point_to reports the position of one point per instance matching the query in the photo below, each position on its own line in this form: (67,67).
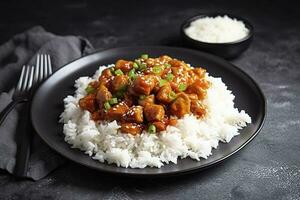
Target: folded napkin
(15,53)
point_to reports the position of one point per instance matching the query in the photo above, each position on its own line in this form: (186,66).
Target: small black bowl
(226,50)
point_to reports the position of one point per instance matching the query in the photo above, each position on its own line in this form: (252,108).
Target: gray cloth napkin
(15,53)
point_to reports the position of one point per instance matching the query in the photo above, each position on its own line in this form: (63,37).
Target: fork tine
(45,67)
(25,79)
(30,78)
(49,65)
(41,68)
(21,79)
(37,69)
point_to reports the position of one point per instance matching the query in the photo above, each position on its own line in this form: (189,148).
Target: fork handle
(8,108)
(23,142)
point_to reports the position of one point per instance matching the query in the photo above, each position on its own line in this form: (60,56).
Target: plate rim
(171,173)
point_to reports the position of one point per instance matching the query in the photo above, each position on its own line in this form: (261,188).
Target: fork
(22,91)
(42,70)
(30,76)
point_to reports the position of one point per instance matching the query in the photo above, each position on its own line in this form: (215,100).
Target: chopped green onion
(170,77)
(137,61)
(135,65)
(142,97)
(132,74)
(143,66)
(182,87)
(89,89)
(152,129)
(172,95)
(113,101)
(157,69)
(107,105)
(115,96)
(118,72)
(112,69)
(144,56)
(167,65)
(139,65)
(162,82)
(120,93)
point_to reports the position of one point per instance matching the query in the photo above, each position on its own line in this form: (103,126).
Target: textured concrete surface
(268,168)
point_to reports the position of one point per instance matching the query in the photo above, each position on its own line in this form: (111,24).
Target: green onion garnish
(113,101)
(152,129)
(142,97)
(137,61)
(120,93)
(170,77)
(144,56)
(172,95)
(112,69)
(135,65)
(142,66)
(162,82)
(107,105)
(118,72)
(157,69)
(182,87)
(132,74)
(89,89)
(167,65)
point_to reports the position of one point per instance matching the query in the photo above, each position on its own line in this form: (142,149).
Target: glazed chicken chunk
(154,112)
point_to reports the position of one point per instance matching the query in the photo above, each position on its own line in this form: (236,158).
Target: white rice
(217,29)
(190,138)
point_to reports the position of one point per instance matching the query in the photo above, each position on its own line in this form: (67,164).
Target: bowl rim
(186,23)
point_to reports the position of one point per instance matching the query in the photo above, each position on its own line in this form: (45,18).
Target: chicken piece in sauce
(124,65)
(88,103)
(154,112)
(163,95)
(143,100)
(103,95)
(134,114)
(143,85)
(105,77)
(197,108)
(132,128)
(181,105)
(116,112)
(119,83)
(160,126)
(199,87)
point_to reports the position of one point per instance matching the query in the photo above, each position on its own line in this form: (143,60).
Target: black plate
(47,105)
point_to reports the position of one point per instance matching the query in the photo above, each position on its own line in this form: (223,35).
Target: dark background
(268,168)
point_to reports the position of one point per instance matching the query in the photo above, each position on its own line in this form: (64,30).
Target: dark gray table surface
(268,168)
